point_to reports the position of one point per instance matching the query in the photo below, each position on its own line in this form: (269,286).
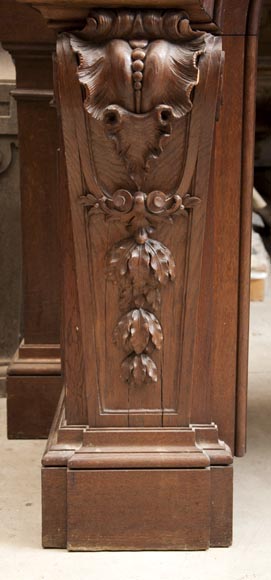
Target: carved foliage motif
(139,333)
(139,209)
(140,268)
(138,70)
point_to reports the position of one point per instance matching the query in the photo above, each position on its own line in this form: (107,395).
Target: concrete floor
(21,556)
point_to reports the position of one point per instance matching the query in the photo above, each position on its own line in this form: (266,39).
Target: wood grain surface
(138,509)
(152,316)
(154,189)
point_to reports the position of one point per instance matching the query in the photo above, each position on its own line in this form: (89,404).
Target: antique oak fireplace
(156,108)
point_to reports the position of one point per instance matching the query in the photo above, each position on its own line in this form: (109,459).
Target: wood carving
(138,138)
(138,79)
(138,70)
(138,93)
(138,333)
(140,266)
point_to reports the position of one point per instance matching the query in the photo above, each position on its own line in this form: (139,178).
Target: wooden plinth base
(155,509)
(136,489)
(34,384)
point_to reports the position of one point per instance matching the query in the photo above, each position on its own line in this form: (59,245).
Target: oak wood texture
(54,507)
(224,16)
(225,282)
(114,400)
(66,14)
(10,255)
(222,506)
(173,512)
(31,404)
(147,195)
(216,390)
(95,464)
(54,521)
(245,243)
(24,33)
(235,16)
(203,6)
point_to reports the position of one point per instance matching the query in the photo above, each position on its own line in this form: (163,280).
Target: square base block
(137,509)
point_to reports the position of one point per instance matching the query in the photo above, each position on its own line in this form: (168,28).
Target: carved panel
(144,90)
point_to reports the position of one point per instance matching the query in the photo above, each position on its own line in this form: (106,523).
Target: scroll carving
(138,70)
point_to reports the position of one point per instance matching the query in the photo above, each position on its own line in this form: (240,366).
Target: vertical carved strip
(140,266)
(155,63)
(122,143)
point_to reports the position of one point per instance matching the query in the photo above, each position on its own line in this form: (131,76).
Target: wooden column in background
(156,166)
(10,229)
(34,379)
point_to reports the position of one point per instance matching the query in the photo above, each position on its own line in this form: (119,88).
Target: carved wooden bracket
(122,57)
(138,92)
(142,160)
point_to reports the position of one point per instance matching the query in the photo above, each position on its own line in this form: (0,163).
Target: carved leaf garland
(139,331)
(146,296)
(140,266)
(139,369)
(141,261)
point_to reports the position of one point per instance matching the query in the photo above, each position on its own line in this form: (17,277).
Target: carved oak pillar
(139,94)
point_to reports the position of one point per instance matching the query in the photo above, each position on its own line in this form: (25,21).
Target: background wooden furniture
(75,468)
(34,379)
(10,255)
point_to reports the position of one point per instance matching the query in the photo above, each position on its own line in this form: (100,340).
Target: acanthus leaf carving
(145,266)
(138,70)
(171,50)
(141,260)
(139,331)
(126,129)
(139,369)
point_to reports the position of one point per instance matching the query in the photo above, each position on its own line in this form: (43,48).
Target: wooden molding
(84,447)
(198,10)
(65,15)
(36,359)
(33,95)
(34,384)
(79,453)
